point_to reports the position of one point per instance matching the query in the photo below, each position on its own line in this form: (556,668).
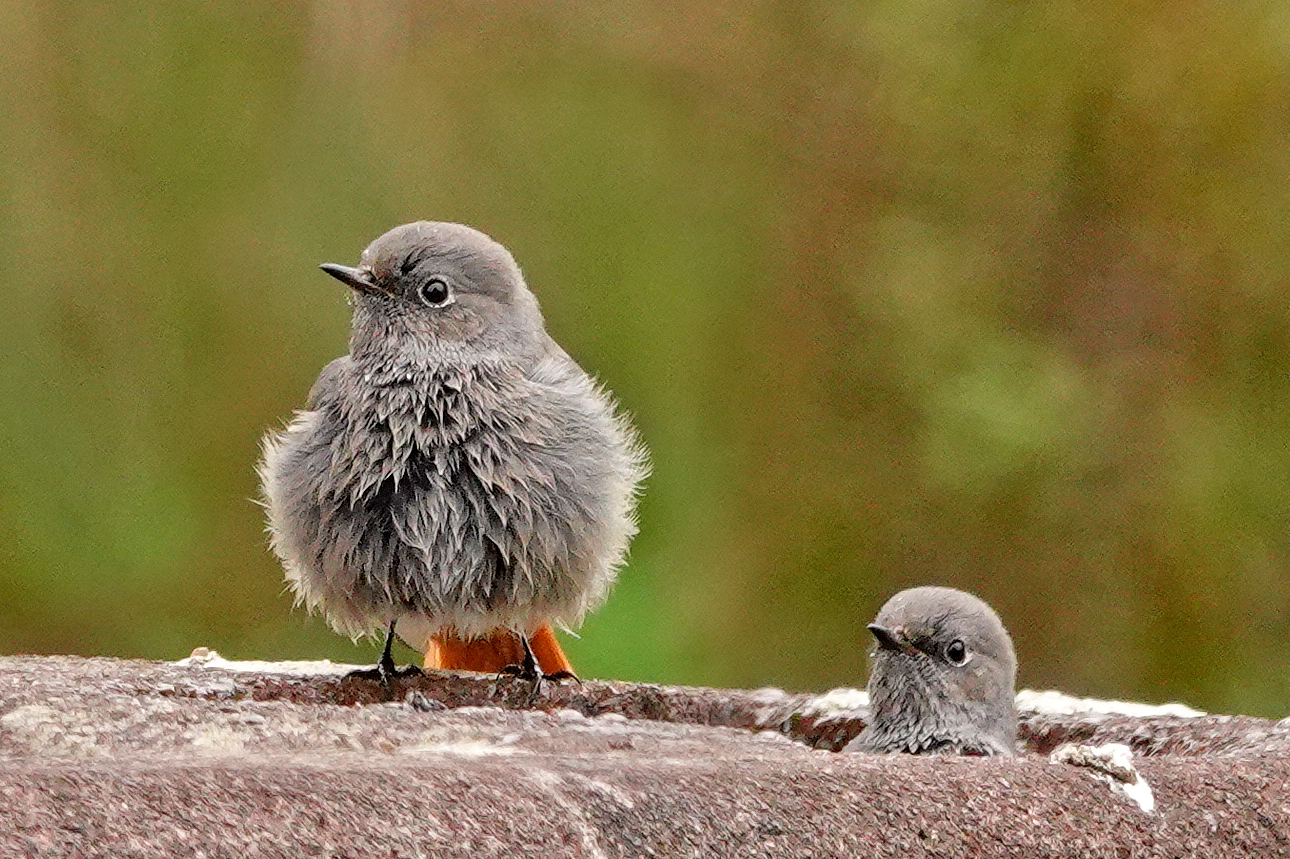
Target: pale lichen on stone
(1112,763)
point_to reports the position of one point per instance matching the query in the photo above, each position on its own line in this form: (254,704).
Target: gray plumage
(942,678)
(456,471)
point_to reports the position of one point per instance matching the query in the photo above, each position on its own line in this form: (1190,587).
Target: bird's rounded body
(451,476)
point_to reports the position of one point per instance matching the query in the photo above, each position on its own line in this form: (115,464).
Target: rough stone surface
(103,757)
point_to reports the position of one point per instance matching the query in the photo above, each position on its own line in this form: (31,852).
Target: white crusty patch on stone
(835,703)
(1050,702)
(204,657)
(464,748)
(771,705)
(1112,763)
(51,730)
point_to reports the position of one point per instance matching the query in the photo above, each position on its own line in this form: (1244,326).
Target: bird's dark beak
(891,639)
(355,278)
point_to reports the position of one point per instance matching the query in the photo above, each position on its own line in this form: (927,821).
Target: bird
(456,478)
(942,679)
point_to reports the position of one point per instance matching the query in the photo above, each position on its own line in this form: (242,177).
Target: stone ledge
(126,758)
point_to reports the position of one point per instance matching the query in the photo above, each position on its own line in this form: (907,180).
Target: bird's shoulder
(552,367)
(329,383)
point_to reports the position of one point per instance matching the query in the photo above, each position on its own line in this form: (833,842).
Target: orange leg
(496,651)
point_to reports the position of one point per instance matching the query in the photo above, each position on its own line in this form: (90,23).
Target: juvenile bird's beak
(891,639)
(355,278)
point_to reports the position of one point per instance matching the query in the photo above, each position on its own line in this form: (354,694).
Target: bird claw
(536,678)
(386,674)
(385,671)
(523,673)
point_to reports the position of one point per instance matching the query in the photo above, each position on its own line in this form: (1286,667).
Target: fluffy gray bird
(942,678)
(456,475)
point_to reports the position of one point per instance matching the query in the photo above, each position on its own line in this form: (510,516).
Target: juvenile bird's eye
(435,292)
(956,653)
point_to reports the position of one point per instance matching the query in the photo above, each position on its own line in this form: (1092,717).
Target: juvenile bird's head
(437,287)
(942,678)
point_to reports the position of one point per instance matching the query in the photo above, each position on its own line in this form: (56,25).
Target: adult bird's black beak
(355,278)
(891,639)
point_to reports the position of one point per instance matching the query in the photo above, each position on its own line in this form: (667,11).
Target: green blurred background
(982,293)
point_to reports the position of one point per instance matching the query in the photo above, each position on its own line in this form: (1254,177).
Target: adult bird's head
(439,286)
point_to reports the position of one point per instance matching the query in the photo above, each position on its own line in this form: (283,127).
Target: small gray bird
(942,678)
(456,476)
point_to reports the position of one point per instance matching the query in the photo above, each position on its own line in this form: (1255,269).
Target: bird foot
(386,673)
(530,669)
(536,678)
(521,673)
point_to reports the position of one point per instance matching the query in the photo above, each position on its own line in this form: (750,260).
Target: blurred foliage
(989,294)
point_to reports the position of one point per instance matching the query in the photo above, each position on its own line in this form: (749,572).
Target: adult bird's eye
(956,653)
(435,292)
